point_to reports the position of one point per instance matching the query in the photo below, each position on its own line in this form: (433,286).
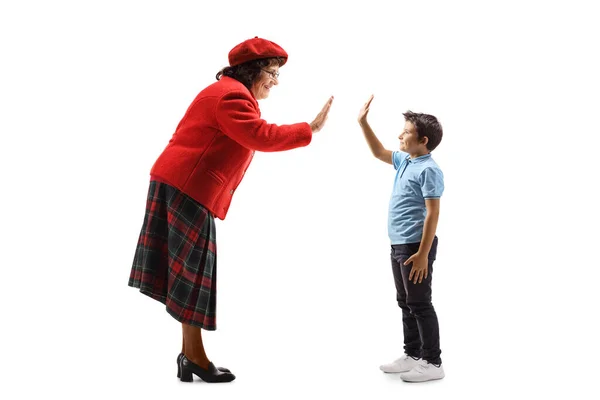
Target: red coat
(215,141)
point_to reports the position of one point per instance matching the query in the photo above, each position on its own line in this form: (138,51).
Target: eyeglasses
(272,74)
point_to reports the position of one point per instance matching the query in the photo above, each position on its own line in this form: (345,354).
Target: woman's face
(265,81)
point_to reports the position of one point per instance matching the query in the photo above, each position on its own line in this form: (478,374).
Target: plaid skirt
(175,260)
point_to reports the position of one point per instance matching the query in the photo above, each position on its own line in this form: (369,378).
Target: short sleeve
(397,158)
(432,183)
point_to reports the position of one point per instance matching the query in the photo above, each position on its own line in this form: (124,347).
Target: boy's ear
(425,140)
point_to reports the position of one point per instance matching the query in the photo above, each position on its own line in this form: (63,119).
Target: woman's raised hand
(319,121)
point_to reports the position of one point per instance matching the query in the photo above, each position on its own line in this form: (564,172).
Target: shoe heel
(186,375)
(179,358)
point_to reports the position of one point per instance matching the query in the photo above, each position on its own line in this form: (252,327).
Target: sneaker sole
(426,380)
(385,369)
(394,372)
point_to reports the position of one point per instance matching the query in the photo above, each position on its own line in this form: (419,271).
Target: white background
(92,91)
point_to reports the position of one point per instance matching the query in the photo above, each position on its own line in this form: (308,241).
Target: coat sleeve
(239,119)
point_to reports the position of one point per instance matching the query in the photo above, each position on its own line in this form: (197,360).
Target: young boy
(413,216)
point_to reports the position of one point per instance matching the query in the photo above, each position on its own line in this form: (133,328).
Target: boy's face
(409,140)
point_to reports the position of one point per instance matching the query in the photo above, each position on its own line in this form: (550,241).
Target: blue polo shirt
(417,179)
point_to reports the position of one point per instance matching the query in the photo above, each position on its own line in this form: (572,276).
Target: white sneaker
(403,364)
(423,372)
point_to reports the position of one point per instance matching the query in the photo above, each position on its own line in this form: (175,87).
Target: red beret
(253,49)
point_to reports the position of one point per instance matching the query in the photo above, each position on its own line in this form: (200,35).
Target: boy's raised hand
(362,115)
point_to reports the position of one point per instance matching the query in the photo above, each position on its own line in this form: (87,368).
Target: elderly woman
(193,181)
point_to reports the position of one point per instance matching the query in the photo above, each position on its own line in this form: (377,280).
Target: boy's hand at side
(419,268)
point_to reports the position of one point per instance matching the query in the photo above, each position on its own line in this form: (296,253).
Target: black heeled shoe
(211,374)
(180,356)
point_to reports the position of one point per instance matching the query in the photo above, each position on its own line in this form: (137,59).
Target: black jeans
(421,329)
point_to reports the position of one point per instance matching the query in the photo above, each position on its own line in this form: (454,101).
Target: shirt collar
(419,159)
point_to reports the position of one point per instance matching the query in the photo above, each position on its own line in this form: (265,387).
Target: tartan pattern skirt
(175,260)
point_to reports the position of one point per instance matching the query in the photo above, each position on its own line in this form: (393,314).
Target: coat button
(231,191)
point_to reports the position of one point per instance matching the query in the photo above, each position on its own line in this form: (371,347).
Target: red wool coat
(215,141)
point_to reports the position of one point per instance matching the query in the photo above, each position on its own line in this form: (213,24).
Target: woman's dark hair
(426,125)
(250,70)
